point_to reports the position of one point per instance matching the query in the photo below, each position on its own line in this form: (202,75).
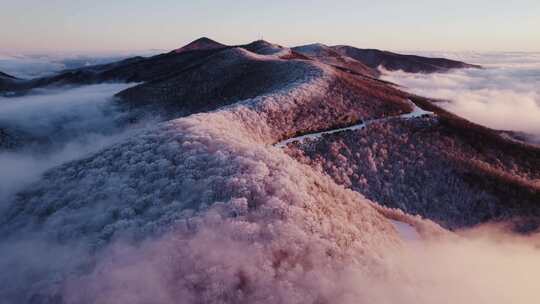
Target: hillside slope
(236,74)
(438,166)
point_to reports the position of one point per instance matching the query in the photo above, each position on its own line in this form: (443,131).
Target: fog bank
(56,126)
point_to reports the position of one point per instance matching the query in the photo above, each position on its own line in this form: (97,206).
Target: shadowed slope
(139,69)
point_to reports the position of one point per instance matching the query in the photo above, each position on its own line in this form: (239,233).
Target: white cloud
(505,95)
(72,122)
(485,267)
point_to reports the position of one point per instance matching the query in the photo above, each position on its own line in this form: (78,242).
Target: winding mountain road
(416,112)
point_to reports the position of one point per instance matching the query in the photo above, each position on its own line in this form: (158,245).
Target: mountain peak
(264,47)
(203,43)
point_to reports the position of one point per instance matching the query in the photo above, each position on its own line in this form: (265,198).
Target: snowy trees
(426,167)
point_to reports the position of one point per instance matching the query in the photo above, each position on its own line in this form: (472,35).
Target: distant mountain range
(407,63)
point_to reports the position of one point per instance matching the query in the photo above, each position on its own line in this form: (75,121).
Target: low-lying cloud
(29,66)
(485,267)
(55,126)
(62,113)
(504,95)
(38,65)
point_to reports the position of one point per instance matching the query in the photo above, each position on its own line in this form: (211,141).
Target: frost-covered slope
(457,176)
(235,74)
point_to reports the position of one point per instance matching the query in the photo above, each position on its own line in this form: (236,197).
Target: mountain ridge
(407,63)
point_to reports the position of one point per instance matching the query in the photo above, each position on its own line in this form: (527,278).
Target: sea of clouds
(504,95)
(484,266)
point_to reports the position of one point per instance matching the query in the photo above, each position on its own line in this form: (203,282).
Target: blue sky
(127,25)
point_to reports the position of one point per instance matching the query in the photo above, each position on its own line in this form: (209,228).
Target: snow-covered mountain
(222,198)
